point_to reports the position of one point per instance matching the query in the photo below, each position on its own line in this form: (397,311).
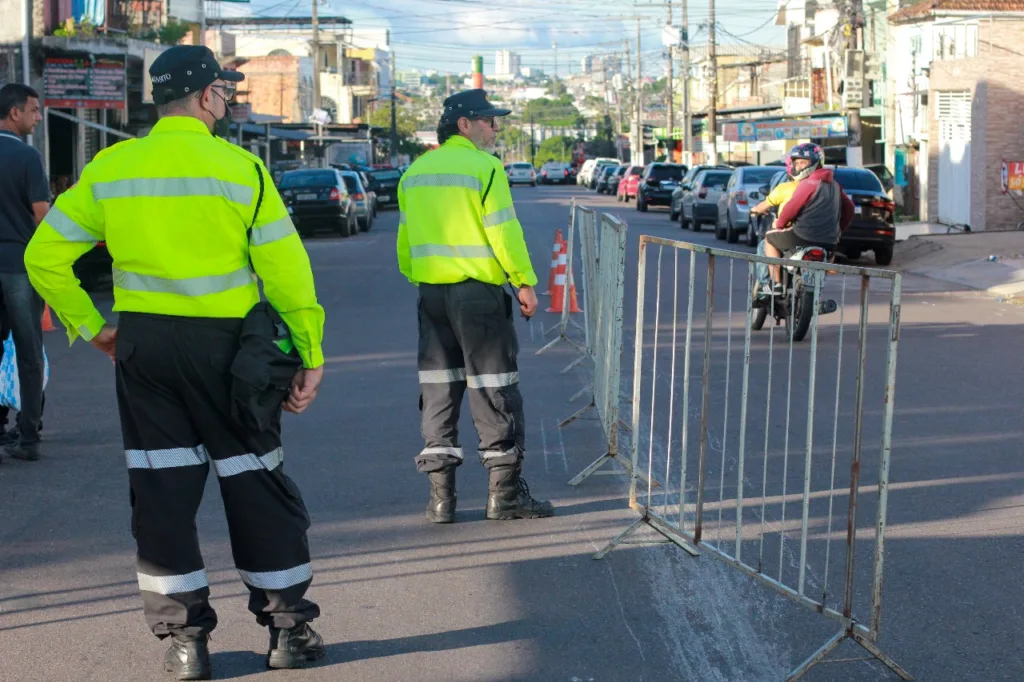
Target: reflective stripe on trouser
(175,411)
(467,339)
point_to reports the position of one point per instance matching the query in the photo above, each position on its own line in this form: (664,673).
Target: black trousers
(173,391)
(468,339)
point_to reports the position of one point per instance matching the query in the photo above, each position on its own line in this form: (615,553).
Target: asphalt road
(406,600)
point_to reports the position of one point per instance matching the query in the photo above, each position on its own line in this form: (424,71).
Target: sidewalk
(964,259)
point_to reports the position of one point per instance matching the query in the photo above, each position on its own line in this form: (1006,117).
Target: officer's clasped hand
(527,301)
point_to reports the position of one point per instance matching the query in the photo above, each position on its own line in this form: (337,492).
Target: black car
(873,227)
(657,183)
(608,181)
(385,184)
(317,198)
(93,268)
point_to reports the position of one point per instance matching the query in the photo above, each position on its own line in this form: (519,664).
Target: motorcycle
(795,305)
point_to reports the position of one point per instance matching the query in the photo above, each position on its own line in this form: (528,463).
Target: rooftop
(927,8)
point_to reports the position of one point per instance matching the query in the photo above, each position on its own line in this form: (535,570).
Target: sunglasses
(226,91)
(489,120)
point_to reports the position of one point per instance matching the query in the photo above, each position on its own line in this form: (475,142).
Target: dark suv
(657,183)
(873,227)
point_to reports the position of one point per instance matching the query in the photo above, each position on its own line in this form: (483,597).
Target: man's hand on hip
(106,340)
(527,300)
(304,388)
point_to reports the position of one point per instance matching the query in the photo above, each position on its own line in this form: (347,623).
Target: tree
(407,127)
(557,148)
(554,112)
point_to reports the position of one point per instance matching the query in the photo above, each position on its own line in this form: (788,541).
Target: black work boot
(26,451)
(188,658)
(441,507)
(295,647)
(510,498)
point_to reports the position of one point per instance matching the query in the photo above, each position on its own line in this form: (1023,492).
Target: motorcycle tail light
(817,255)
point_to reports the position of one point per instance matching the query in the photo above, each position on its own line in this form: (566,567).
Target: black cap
(471,104)
(185,69)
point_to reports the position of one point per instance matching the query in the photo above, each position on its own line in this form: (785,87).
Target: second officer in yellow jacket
(184,214)
(459,240)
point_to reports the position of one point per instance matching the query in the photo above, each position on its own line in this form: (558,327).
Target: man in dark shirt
(24,201)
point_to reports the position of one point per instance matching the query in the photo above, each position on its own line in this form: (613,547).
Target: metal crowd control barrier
(735,507)
(586,218)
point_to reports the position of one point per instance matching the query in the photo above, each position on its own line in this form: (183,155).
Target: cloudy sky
(445,34)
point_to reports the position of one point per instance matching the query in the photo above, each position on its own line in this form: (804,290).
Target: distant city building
(587,64)
(409,79)
(506,63)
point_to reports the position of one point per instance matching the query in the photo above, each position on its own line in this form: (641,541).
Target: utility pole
(394,110)
(316,57)
(629,75)
(533,152)
(711,151)
(669,95)
(854,151)
(638,154)
(554,48)
(687,121)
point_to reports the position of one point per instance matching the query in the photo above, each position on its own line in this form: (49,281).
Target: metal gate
(953,109)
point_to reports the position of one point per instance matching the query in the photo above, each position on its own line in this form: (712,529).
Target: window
(758,176)
(352,184)
(854,179)
(636,170)
(660,173)
(522,166)
(308,179)
(956,41)
(716,179)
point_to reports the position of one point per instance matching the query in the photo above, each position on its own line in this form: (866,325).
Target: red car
(630,184)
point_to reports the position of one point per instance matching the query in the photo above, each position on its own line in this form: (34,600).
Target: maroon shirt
(819,209)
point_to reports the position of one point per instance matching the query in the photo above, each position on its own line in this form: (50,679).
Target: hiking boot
(510,497)
(188,658)
(26,451)
(441,507)
(14,435)
(294,647)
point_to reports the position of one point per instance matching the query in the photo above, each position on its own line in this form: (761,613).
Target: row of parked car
(551,173)
(722,196)
(342,199)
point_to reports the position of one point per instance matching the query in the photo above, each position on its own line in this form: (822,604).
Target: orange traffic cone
(47,320)
(555,250)
(559,288)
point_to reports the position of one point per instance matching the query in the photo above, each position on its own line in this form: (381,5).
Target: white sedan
(521,174)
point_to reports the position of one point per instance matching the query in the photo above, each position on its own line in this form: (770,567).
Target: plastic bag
(10,387)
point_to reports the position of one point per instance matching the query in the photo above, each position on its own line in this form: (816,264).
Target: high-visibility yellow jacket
(457,222)
(174,208)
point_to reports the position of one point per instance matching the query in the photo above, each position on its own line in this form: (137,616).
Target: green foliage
(83,29)
(172,32)
(407,125)
(557,148)
(554,112)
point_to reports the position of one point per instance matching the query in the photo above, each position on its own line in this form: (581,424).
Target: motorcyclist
(814,215)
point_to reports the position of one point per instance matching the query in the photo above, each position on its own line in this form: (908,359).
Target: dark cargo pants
(173,391)
(468,339)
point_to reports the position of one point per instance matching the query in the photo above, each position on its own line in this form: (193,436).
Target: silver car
(700,204)
(521,173)
(552,172)
(362,199)
(742,192)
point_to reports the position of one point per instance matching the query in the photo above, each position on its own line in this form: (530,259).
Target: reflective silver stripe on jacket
(167,458)
(271,232)
(499,217)
(442,376)
(277,580)
(443,180)
(451,251)
(68,228)
(248,462)
(189,286)
(173,584)
(173,187)
(439,450)
(492,380)
(401,217)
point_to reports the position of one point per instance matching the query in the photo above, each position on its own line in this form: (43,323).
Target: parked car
(552,172)
(873,227)
(757,225)
(572,171)
(608,180)
(317,198)
(371,193)
(884,175)
(684,187)
(700,205)
(361,199)
(521,173)
(587,170)
(742,192)
(626,189)
(601,164)
(384,183)
(655,186)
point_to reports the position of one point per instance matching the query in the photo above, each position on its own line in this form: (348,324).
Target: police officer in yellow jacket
(183,214)
(459,240)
